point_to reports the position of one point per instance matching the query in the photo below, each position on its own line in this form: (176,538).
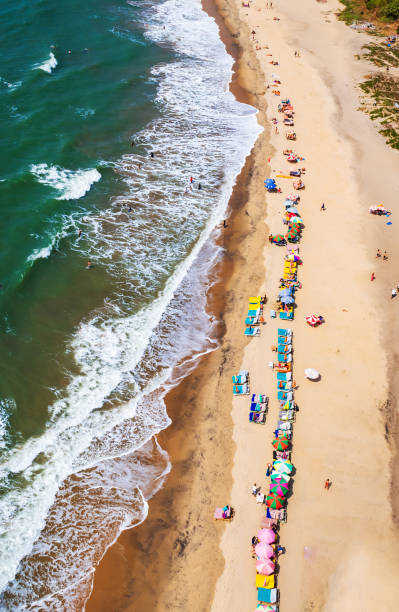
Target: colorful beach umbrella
(264,551)
(312,320)
(266,535)
(279,478)
(281,444)
(265,567)
(275,501)
(280,489)
(284,467)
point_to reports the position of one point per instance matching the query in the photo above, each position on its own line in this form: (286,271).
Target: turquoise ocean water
(84,353)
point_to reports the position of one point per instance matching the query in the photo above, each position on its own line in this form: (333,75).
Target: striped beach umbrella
(284,467)
(280,489)
(281,444)
(275,501)
(278,477)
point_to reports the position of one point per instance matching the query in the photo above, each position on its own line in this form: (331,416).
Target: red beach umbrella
(281,444)
(312,320)
(279,488)
(275,501)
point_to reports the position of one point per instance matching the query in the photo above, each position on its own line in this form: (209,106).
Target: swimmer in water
(89,265)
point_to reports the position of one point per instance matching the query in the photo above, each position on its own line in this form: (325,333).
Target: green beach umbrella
(275,501)
(281,444)
(279,488)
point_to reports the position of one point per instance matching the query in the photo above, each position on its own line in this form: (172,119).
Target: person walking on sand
(385,256)
(393,293)
(372,276)
(254,489)
(378,254)
(327,484)
(323,207)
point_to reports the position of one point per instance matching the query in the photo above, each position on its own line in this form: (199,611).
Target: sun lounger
(255,300)
(266,582)
(284,357)
(257,417)
(284,426)
(284,385)
(282,455)
(253,313)
(241,389)
(286,316)
(241,378)
(252,331)
(252,321)
(284,332)
(285,395)
(267,595)
(284,376)
(284,405)
(257,407)
(261,398)
(284,348)
(286,415)
(280,515)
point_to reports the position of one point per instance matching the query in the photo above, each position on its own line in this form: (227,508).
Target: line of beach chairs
(279,472)
(258,409)
(241,383)
(254,316)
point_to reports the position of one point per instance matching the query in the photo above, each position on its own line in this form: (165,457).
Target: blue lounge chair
(253,313)
(284,376)
(286,316)
(285,395)
(256,407)
(252,321)
(284,332)
(240,389)
(257,417)
(284,357)
(252,331)
(261,398)
(267,595)
(284,348)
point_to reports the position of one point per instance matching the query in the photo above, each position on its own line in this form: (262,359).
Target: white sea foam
(85,112)
(126,351)
(10,86)
(49,64)
(72,184)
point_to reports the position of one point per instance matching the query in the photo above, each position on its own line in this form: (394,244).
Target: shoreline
(125,577)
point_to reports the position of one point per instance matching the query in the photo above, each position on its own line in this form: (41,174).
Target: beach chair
(261,398)
(279,515)
(284,385)
(284,357)
(257,407)
(284,376)
(219,514)
(267,595)
(285,395)
(284,426)
(282,455)
(255,300)
(252,331)
(241,389)
(253,313)
(287,405)
(284,332)
(286,316)
(284,348)
(286,415)
(257,417)
(252,321)
(267,582)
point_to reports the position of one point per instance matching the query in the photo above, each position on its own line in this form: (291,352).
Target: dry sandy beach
(345,428)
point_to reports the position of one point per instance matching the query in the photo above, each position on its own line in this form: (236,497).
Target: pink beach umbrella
(264,551)
(265,567)
(266,535)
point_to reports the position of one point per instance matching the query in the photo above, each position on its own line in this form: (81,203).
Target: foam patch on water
(49,65)
(85,112)
(8,85)
(72,184)
(159,254)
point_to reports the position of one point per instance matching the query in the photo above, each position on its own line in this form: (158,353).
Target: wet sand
(172,561)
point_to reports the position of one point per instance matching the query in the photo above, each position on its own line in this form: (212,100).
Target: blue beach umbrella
(287,299)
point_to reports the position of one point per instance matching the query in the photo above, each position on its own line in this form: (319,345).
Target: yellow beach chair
(255,300)
(264,582)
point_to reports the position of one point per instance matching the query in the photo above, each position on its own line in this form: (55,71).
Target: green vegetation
(381,55)
(382,13)
(384,91)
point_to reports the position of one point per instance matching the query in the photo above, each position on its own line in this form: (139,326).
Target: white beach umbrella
(312,374)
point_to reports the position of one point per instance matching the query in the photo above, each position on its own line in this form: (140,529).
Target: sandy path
(339,432)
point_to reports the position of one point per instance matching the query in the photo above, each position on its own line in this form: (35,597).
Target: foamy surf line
(123,357)
(71,184)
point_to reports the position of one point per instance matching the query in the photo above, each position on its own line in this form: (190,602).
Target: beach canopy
(264,550)
(275,501)
(280,489)
(312,374)
(291,158)
(312,320)
(266,535)
(265,567)
(281,444)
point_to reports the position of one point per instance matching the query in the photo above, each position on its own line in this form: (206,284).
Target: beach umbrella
(292,197)
(280,489)
(275,501)
(265,567)
(287,299)
(265,608)
(312,320)
(264,551)
(281,444)
(266,535)
(288,291)
(291,158)
(278,478)
(296,220)
(292,209)
(284,467)
(312,374)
